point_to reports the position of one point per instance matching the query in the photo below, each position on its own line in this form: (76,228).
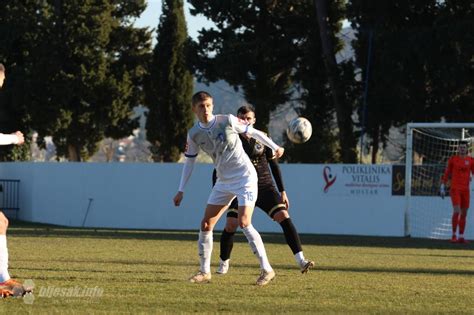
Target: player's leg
(217,203)
(270,202)
(463,214)
(246,198)
(4,275)
(256,243)
(227,237)
(8,286)
(456,201)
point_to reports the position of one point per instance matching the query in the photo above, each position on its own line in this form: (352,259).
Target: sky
(150,17)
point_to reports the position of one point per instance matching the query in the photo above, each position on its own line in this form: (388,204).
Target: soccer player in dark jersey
(274,203)
(460,167)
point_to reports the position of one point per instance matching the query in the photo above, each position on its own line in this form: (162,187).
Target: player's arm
(276,172)
(188,166)
(242,127)
(14,138)
(448,171)
(444,179)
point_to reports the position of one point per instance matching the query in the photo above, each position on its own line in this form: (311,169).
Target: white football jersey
(220,139)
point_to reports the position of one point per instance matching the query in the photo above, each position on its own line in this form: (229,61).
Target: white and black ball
(299,130)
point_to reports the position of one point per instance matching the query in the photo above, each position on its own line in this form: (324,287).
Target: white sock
(256,243)
(299,257)
(205,251)
(4,276)
(461,235)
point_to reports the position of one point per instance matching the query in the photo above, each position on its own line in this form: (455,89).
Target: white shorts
(223,194)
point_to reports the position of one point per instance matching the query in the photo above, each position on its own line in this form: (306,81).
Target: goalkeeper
(460,167)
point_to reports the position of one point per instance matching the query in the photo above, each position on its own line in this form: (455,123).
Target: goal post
(428,148)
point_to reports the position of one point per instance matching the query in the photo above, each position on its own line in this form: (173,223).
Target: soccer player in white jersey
(273,202)
(8,286)
(218,136)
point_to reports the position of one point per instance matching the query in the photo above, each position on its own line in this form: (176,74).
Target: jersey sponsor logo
(258,149)
(328,178)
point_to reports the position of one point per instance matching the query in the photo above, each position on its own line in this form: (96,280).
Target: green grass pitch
(147,271)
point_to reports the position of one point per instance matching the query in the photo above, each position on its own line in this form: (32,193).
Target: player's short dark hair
(245,109)
(200,96)
(2,67)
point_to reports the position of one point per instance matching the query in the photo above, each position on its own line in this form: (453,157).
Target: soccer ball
(299,130)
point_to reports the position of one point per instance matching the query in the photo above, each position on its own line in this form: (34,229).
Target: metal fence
(10,197)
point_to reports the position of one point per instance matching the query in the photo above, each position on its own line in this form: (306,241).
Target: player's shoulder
(223,118)
(236,120)
(454,158)
(194,128)
(230,117)
(460,159)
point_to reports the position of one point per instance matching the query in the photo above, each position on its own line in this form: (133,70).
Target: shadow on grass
(325,268)
(107,277)
(368,269)
(26,229)
(460,272)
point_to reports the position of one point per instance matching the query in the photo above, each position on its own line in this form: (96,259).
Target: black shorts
(268,200)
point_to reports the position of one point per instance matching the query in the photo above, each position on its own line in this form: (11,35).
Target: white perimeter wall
(139,196)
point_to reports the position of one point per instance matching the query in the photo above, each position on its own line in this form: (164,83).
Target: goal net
(429,146)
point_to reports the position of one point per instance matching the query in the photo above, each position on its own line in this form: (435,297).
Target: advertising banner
(356,180)
(425,180)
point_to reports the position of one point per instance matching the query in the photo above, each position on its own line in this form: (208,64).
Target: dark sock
(291,236)
(227,243)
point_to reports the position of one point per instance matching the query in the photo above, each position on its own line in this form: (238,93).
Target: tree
(316,98)
(129,54)
(450,83)
(169,86)
(420,64)
(254,47)
(71,75)
(381,28)
(19,35)
(342,106)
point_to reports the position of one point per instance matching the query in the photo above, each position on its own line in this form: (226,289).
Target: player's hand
(20,137)
(285,200)
(177,199)
(442,191)
(279,152)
